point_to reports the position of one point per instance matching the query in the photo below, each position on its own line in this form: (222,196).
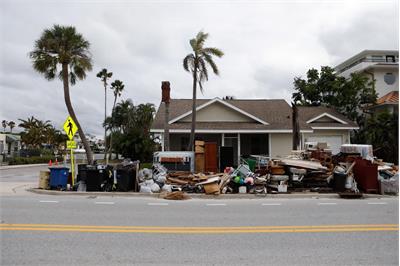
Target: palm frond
(212,64)
(188,61)
(213,51)
(203,70)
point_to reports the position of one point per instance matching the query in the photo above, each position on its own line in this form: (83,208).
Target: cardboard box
(242,189)
(199,143)
(199,149)
(211,188)
(44,180)
(199,162)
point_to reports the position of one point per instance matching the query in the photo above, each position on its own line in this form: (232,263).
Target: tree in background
(11,124)
(38,133)
(130,130)
(117,86)
(104,75)
(4,125)
(196,63)
(381,130)
(62,45)
(325,88)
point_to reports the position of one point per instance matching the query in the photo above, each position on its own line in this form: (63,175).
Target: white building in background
(10,144)
(381,66)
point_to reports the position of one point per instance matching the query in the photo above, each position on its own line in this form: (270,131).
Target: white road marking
(157,204)
(377,203)
(327,203)
(49,201)
(216,204)
(105,202)
(271,204)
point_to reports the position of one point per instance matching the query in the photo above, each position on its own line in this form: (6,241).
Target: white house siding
(381,86)
(329,135)
(217,112)
(281,144)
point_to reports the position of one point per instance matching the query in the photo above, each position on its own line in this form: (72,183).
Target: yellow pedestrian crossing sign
(70,127)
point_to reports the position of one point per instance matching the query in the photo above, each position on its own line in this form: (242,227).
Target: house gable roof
(311,116)
(277,112)
(225,103)
(330,117)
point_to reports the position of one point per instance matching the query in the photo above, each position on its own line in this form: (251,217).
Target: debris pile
(352,171)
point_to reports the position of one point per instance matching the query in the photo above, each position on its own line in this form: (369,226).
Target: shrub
(30,160)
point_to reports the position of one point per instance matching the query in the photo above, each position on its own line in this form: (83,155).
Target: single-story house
(10,144)
(251,127)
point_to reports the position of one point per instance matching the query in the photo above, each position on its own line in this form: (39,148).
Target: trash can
(339,182)
(96,176)
(58,177)
(125,179)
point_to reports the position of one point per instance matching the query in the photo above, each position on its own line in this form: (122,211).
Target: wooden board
(199,163)
(210,157)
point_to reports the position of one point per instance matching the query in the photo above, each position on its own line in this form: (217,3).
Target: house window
(184,143)
(377,58)
(390,58)
(389,78)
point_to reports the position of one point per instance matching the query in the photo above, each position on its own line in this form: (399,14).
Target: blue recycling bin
(58,177)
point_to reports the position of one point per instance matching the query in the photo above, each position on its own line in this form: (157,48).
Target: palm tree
(196,63)
(11,124)
(63,45)
(104,75)
(4,125)
(117,86)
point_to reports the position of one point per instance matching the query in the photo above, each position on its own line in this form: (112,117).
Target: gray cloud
(266,45)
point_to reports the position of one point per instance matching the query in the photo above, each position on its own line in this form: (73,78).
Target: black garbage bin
(126,177)
(96,176)
(339,182)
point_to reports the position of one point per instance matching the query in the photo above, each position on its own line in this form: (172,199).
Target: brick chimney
(165,98)
(165,91)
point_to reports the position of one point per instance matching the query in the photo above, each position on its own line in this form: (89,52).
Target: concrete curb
(203,196)
(5,167)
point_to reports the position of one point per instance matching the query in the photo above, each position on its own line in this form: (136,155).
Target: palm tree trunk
(192,131)
(105,117)
(89,154)
(112,121)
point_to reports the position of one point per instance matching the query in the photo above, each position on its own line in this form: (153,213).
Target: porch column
(162,141)
(223,139)
(238,136)
(269,145)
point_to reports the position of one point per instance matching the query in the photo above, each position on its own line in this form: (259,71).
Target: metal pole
(72,167)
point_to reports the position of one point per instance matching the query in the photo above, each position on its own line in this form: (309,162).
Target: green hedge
(31,160)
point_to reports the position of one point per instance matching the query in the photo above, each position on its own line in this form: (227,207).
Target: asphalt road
(87,230)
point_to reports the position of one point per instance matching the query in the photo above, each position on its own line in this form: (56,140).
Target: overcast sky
(266,45)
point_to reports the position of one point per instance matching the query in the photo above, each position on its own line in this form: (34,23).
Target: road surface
(89,230)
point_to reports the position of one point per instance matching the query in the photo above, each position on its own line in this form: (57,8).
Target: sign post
(70,128)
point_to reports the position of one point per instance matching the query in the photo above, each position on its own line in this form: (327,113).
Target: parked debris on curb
(350,173)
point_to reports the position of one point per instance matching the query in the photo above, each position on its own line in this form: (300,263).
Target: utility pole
(165,89)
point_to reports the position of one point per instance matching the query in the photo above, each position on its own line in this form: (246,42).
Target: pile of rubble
(314,169)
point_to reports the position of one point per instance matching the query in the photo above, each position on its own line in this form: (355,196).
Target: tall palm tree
(104,75)
(62,45)
(196,63)
(117,86)
(11,124)
(4,125)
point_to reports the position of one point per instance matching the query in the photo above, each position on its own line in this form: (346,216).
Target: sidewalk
(309,195)
(5,167)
